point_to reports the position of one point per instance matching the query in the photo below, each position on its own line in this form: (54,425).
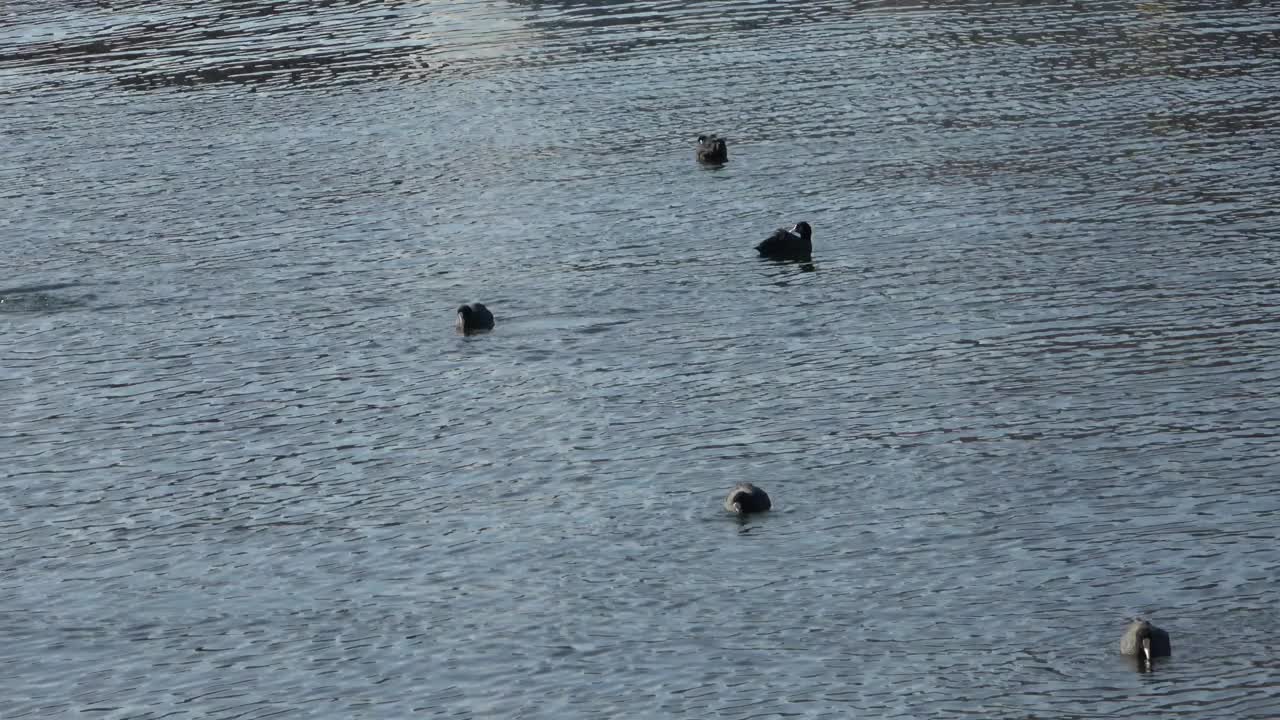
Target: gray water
(1026,391)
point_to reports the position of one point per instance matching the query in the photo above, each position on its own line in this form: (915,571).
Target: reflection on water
(1023,393)
(142,45)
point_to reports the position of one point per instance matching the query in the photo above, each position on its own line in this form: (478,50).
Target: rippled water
(1026,391)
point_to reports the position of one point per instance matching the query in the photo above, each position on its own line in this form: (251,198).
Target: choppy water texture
(1026,391)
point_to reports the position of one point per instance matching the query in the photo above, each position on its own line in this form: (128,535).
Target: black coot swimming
(1145,641)
(712,149)
(795,243)
(474,317)
(747,498)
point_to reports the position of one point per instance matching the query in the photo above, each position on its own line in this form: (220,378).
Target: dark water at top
(1027,390)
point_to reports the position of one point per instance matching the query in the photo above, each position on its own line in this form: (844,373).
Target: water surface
(1025,391)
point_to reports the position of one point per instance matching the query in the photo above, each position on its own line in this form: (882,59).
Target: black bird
(712,149)
(747,498)
(793,244)
(474,317)
(1145,641)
